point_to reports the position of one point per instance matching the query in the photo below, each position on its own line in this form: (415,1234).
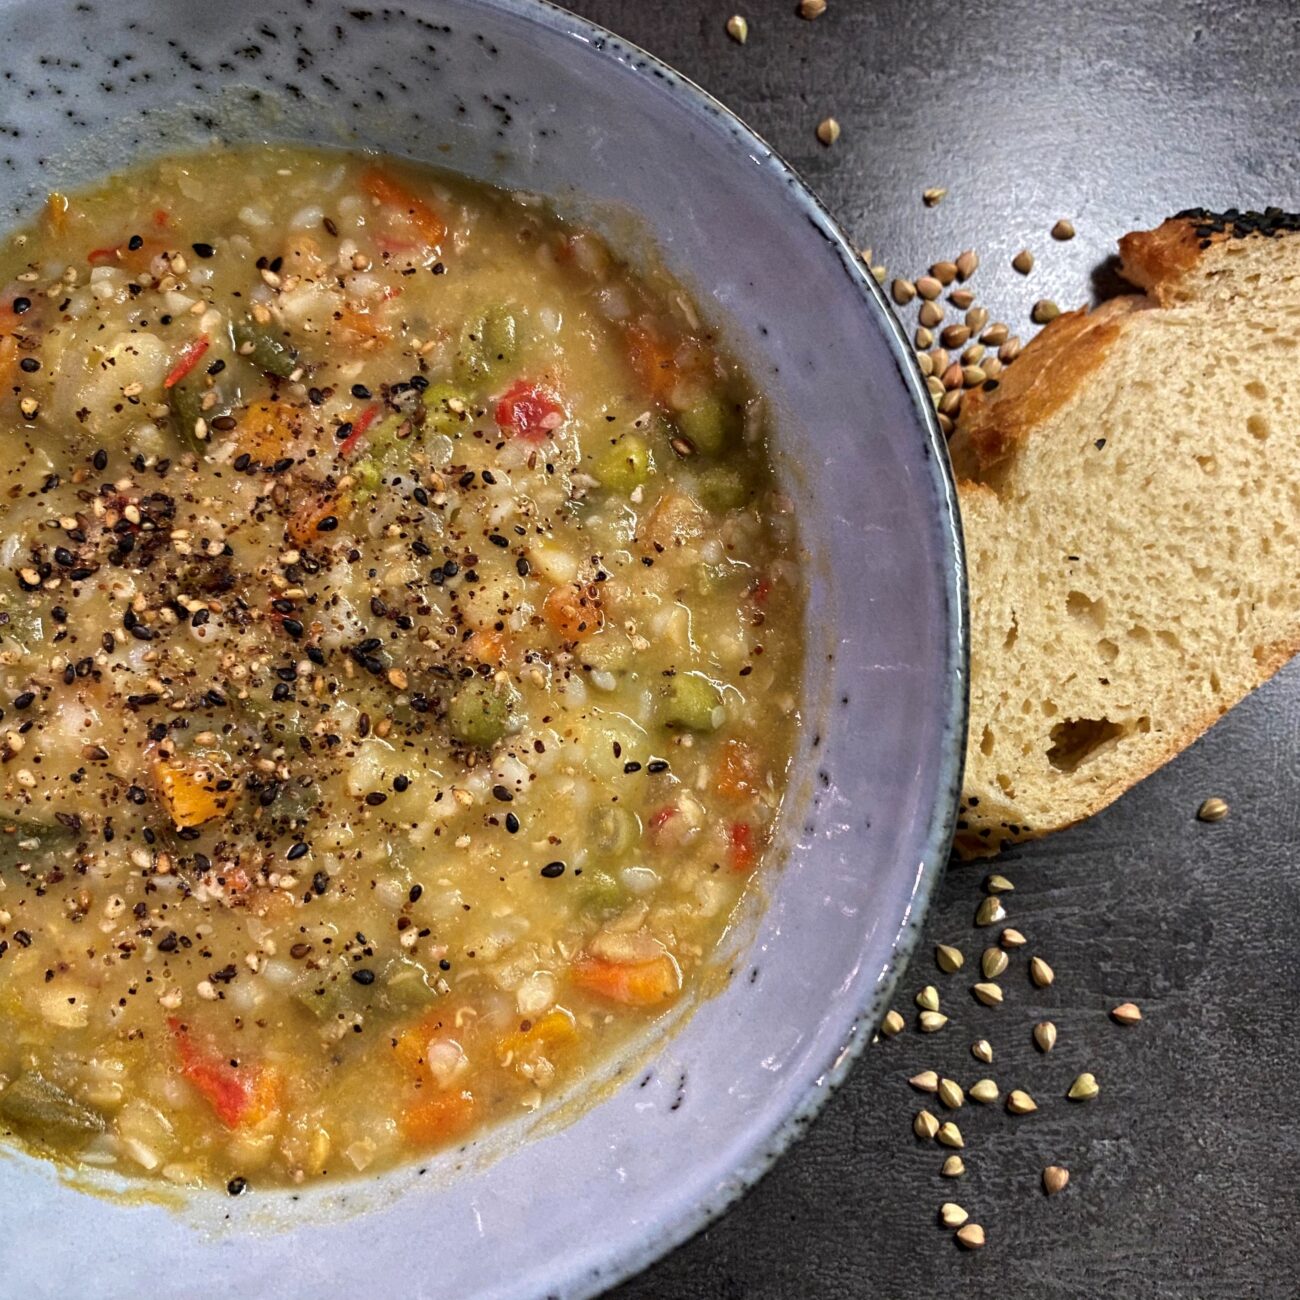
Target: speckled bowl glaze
(525,95)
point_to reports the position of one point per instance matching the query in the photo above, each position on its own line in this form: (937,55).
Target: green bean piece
(34,1103)
(407,984)
(268,352)
(691,702)
(186,403)
(723,487)
(23,841)
(708,424)
(488,344)
(626,465)
(479,713)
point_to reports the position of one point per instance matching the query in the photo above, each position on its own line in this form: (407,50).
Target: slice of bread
(1130,495)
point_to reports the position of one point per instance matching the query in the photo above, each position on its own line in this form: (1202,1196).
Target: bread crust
(1158,260)
(997,417)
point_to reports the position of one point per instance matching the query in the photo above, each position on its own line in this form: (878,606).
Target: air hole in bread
(1208,464)
(1107,650)
(1012,632)
(1080,606)
(1077,741)
(1255,389)
(986,742)
(1169,638)
(1257,426)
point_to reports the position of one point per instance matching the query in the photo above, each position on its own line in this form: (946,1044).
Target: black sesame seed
(320,882)
(553,869)
(401,784)
(500,792)
(100,460)
(360,391)
(328,524)
(512,823)
(24,700)
(22,305)
(657,765)
(203,250)
(135,243)
(416,891)
(522,567)
(631,767)
(236,1186)
(30,365)
(296,850)
(293,627)
(364,976)
(243,461)
(376,797)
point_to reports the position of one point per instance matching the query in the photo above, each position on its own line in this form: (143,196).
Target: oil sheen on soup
(399,629)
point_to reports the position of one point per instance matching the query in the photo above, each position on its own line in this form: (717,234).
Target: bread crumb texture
(1130,496)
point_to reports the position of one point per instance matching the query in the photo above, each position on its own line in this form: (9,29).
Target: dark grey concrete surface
(1186,1169)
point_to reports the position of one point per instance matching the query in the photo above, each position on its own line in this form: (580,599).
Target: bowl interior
(523,95)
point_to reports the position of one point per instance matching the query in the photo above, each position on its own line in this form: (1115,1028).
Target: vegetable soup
(399,660)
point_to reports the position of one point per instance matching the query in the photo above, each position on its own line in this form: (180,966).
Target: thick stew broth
(398,663)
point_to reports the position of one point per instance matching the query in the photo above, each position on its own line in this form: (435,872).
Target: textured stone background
(1185,1170)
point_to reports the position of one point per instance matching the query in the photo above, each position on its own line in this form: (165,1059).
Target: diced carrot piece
(412,1043)
(571,611)
(189,789)
(652,360)
(742,848)
(487,646)
(364,326)
(639,984)
(392,193)
(735,777)
(238,1094)
(555,1030)
(304,525)
(160,218)
(439,1119)
(266,429)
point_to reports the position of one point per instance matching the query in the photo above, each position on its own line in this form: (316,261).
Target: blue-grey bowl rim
(938,838)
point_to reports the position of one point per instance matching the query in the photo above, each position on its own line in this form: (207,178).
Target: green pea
(691,702)
(479,713)
(709,424)
(268,352)
(601,893)
(442,416)
(367,475)
(614,829)
(626,465)
(488,343)
(723,487)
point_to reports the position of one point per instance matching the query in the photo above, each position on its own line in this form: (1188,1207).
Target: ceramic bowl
(530,97)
